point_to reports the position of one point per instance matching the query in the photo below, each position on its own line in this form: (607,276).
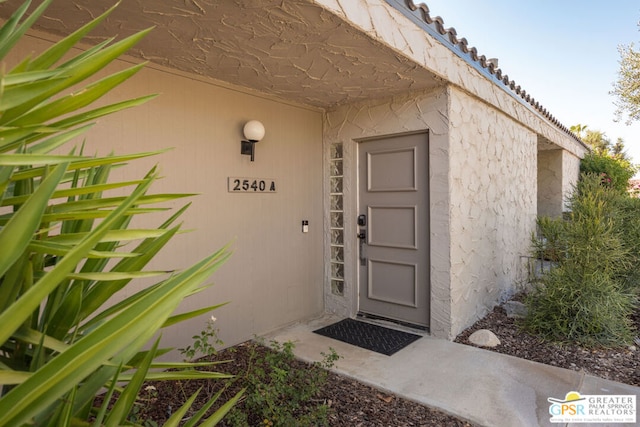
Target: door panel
(402,275)
(394,247)
(393,226)
(391,170)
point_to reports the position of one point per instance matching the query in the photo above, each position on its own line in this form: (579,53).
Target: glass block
(337,237)
(336,151)
(337,253)
(337,287)
(336,168)
(337,270)
(336,185)
(336,220)
(336,203)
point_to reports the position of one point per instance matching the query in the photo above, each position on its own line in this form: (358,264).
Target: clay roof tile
(489,66)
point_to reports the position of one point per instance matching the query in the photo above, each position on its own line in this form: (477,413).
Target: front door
(393,224)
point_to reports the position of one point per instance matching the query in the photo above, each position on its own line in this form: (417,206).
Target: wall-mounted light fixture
(253,132)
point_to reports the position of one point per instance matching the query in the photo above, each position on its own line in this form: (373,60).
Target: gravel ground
(355,404)
(617,364)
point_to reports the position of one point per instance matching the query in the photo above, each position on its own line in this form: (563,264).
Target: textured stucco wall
(558,173)
(570,176)
(550,179)
(493,182)
(410,113)
(483,187)
(275,274)
(386,24)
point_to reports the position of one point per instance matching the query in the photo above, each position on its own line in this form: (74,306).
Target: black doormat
(372,337)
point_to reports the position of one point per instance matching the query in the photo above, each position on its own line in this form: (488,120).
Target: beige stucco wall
(493,184)
(409,113)
(275,275)
(558,173)
(570,176)
(483,186)
(550,177)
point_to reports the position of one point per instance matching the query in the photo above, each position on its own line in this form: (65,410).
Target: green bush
(575,307)
(615,173)
(66,249)
(280,393)
(627,225)
(586,297)
(549,246)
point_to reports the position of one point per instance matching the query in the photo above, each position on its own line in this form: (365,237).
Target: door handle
(362,237)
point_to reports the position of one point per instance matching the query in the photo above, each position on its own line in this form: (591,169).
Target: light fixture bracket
(248,148)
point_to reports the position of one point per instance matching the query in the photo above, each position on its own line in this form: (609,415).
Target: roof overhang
(321,53)
(294,49)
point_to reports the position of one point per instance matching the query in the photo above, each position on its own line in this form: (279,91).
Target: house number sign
(251,185)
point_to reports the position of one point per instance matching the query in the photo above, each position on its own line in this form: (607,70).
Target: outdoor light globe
(253,130)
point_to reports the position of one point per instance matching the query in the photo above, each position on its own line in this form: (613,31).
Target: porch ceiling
(292,49)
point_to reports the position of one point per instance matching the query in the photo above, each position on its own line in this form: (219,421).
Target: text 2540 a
(251,185)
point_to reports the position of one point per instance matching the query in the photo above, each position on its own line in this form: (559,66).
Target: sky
(562,52)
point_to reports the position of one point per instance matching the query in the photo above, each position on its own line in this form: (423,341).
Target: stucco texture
(493,183)
(570,176)
(483,198)
(550,178)
(384,23)
(558,173)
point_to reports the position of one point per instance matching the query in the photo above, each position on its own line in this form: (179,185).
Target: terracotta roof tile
(488,66)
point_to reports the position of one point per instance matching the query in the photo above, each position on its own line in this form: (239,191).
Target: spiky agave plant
(61,247)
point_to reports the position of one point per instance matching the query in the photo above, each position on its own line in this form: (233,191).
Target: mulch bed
(618,364)
(354,404)
(351,403)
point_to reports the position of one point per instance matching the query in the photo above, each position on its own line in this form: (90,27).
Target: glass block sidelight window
(337,219)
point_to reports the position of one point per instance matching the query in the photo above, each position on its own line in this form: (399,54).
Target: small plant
(205,343)
(281,394)
(148,396)
(548,244)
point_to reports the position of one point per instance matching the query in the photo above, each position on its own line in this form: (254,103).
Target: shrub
(280,393)
(627,225)
(549,245)
(615,173)
(586,297)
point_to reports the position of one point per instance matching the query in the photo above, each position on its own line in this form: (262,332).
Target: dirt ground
(354,404)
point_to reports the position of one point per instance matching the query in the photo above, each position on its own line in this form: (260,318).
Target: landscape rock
(515,309)
(484,338)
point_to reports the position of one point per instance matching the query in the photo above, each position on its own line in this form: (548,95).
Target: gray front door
(393,224)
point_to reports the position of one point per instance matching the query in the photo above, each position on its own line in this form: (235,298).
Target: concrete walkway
(483,387)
